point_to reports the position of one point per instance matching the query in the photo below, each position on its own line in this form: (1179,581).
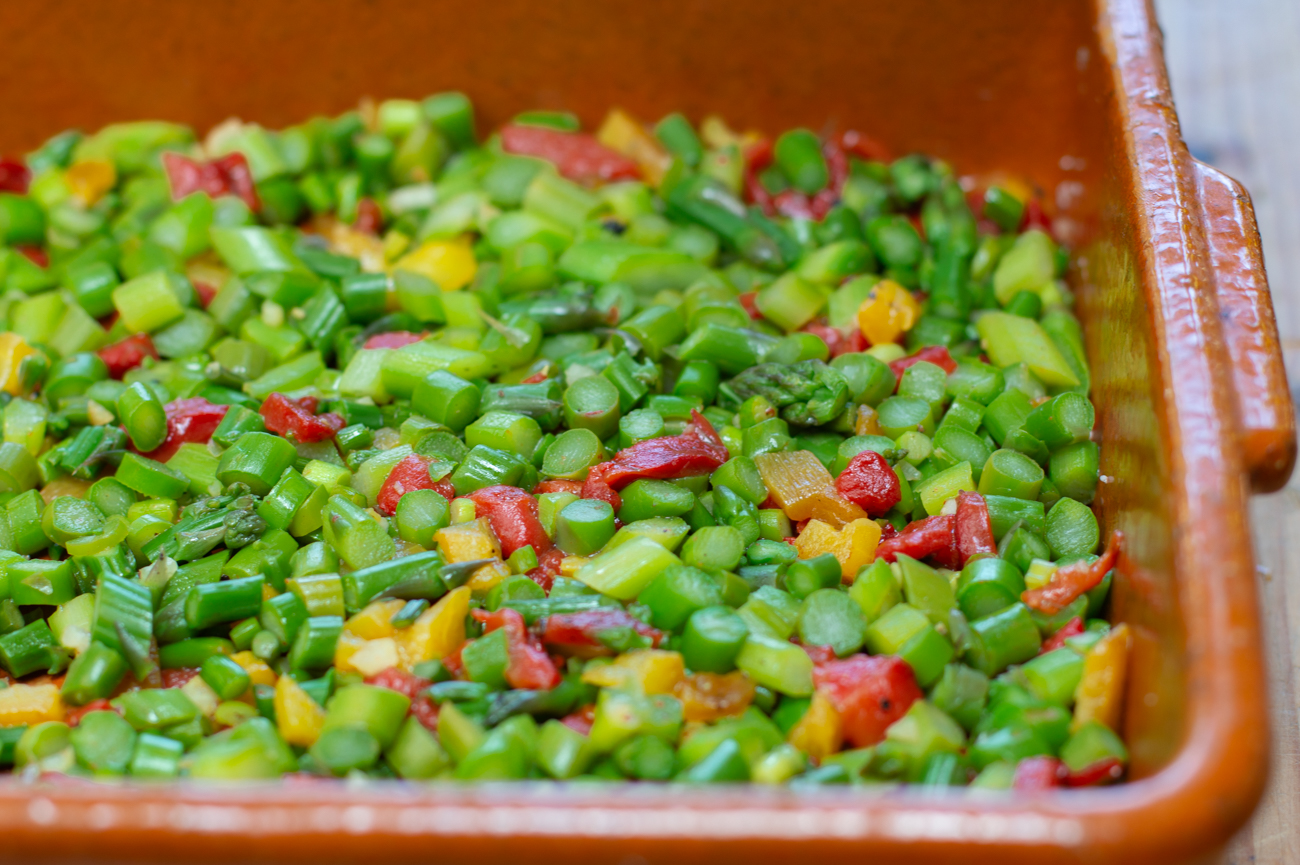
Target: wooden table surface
(1235,67)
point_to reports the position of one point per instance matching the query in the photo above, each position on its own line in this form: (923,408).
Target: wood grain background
(1235,68)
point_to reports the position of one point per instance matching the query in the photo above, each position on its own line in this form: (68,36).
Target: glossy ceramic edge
(1182,813)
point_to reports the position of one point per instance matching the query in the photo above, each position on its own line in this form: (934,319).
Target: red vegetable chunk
(529,666)
(870,692)
(870,483)
(122,357)
(410,474)
(580,633)
(578,156)
(298,419)
(513,515)
(1071,581)
(228,175)
(191,420)
(973,527)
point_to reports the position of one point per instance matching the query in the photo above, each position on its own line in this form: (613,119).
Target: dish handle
(1264,407)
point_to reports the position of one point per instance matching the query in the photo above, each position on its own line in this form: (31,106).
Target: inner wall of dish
(1016,85)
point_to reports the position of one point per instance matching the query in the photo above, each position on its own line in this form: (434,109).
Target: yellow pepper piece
(91,180)
(26,705)
(64,486)
(298,716)
(465,542)
(345,240)
(202,696)
(372,623)
(888,312)
(1100,694)
(13,351)
(711,696)
(438,632)
(819,732)
(207,268)
(651,671)
(804,489)
(450,263)
(853,546)
(486,577)
(258,672)
(570,565)
(621,132)
(344,650)
(376,656)
(867,423)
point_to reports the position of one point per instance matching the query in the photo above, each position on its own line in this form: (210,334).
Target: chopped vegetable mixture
(365,448)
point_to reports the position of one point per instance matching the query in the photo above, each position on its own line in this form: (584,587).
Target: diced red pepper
(749,300)
(862,146)
(855,343)
(870,483)
(929,537)
(205,291)
(548,568)
(973,527)
(935,354)
(424,709)
(394,339)
(581,720)
(188,420)
(228,175)
(35,255)
(1071,581)
(297,419)
(833,338)
(793,203)
(536,378)
(178,677)
(558,486)
(819,654)
(444,489)
(1101,772)
(579,633)
(871,692)
(578,156)
(122,357)
(1038,773)
(370,219)
(1035,217)
(14,176)
(513,515)
(529,666)
(74,715)
(1072,628)
(410,474)
(697,451)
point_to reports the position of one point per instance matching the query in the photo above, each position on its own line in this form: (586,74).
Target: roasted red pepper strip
(1110,769)
(424,709)
(298,419)
(932,536)
(579,633)
(513,515)
(1071,581)
(558,486)
(935,354)
(35,255)
(870,692)
(205,291)
(394,339)
(749,300)
(578,156)
(529,666)
(188,420)
(410,474)
(122,357)
(581,720)
(14,176)
(548,568)
(870,483)
(228,175)
(973,528)
(1038,773)
(1072,628)
(697,451)
(74,716)
(370,219)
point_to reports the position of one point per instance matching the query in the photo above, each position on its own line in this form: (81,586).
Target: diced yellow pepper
(449,263)
(268,591)
(91,180)
(804,489)
(867,423)
(711,696)
(820,732)
(258,672)
(376,656)
(345,240)
(207,268)
(64,486)
(439,631)
(298,716)
(13,351)
(486,577)
(715,132)
(650,671)
(26,705)
(888,312)
(621,132)
(372,623)
(853,546)
(202,696)
(465,542)
(570,565)
(347,646)
(1100,694)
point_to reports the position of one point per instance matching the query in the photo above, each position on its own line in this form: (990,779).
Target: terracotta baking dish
(1190,389)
